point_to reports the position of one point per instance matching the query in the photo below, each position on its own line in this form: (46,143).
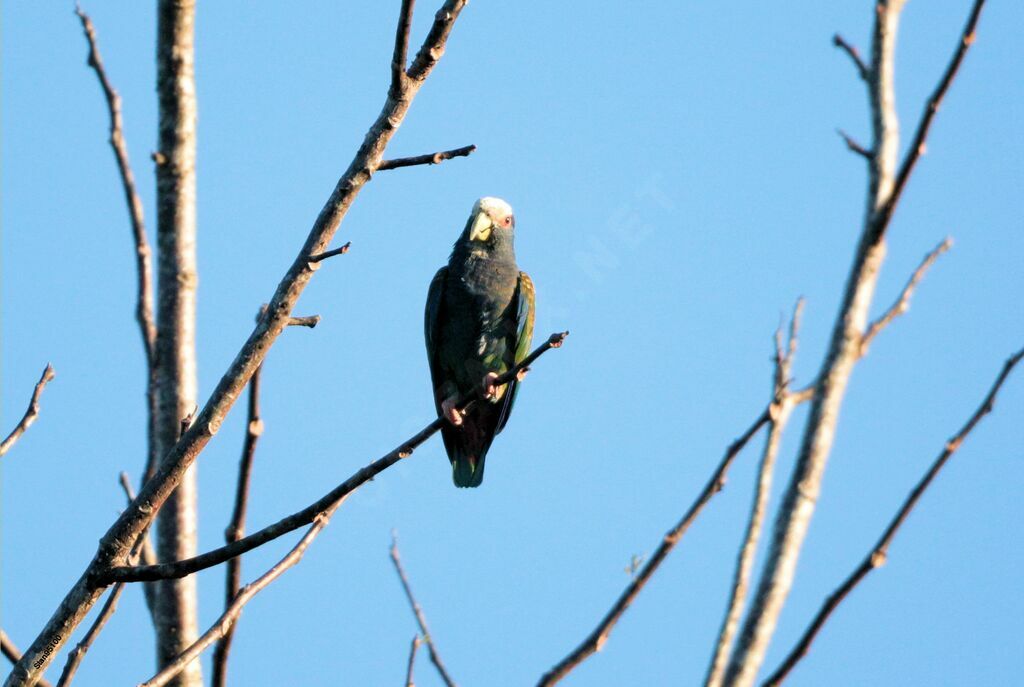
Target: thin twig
(313,259)
(176,569)
(853,145)
(310,321)
(13,654)
(596,639)
(854,54)
(398,75)
(31,413)
(115,544)
(421,619)
(409,682)
(144,286)
(146,553)
(231,614)
(877,556)
(781,408)
(236,528)
(902,303)
(428,159)
(144,302)
(78,653)
(917,147)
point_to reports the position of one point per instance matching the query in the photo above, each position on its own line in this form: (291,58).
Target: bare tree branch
(231,614)
(802,492)
(401,47)
(310,321)
(115,544)
(31,413)
(236,528)
(128,573)
(313,259)
(854,54)
(177,621)
(902,303)
(421,619)
(596,639)
(319,520)
(429,159)
(783,402)
(78,653)
(13,654)
(877,556)
(146,553)
(434,44)
(143,253)
(409,682)
(917,147)
(853,145)
(144,302)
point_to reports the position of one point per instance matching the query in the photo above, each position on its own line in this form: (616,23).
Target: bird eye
(507,222)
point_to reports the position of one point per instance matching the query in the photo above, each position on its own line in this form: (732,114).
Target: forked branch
(886,181)
(918,146)
(318,514)
(115,545)
(421,619)
(877,556)
(783,402)
(596,639)
(230,616)
(76,655)
(307,515)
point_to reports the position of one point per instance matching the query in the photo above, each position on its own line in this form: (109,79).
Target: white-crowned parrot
(478,325)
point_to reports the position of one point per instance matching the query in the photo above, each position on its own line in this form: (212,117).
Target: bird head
(490,224)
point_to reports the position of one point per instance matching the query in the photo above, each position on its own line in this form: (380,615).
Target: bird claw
(490,390)
(451,412)
(521,375)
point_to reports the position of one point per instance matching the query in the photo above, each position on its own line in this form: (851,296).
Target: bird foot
(521,375)
(451,412)
(490,390)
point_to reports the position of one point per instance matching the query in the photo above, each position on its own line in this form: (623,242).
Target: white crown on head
(494,206)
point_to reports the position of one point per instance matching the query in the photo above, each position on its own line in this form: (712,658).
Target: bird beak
(481,230)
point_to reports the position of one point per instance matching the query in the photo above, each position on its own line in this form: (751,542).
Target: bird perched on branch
(478,325)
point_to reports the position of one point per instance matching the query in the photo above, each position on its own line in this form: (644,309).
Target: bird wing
(431,328)
(526,296)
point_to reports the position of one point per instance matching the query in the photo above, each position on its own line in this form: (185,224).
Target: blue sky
(678,183)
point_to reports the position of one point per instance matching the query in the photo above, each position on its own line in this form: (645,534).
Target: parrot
(478,325)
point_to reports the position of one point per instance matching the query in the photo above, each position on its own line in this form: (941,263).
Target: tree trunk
(176,616)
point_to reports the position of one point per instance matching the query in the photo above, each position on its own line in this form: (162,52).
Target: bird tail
(467,447)
(468,471)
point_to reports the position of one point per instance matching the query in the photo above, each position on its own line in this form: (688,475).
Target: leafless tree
(179,429)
